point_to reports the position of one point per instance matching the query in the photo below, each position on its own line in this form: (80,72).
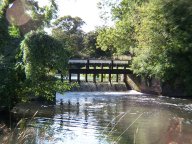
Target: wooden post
(94,75)
(87,69)
(61,77)
(110,70)
(69,77)
(78,77)
(69,73)
(117,76)
(124,75)
(102,73)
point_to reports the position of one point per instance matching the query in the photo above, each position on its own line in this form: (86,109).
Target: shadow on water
(112,117)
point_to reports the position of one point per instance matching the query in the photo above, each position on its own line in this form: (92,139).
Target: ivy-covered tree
(42,57)
(13,82)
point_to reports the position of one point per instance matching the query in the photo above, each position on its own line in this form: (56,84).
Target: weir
(101,87)
(98,67)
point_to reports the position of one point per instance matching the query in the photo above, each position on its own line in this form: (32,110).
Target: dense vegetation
(158,34)
(30,58)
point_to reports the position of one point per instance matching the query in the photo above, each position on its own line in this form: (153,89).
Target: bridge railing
(76,61)
(105,67)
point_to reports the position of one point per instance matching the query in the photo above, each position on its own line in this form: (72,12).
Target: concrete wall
(150,86)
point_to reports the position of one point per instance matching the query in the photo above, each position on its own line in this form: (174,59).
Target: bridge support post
(109,73)
(87,69)
(78,77)
(61,77)
(69,73)
(110,69)
(69,77)
(124,75)
(117,76)
(94,75)
(102,73)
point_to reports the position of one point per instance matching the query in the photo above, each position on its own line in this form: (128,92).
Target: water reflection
(106,118)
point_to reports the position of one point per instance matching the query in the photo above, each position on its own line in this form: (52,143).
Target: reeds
(19,135)
(119,137)
(118,121)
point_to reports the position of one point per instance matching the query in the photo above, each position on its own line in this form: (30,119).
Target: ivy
(43,56)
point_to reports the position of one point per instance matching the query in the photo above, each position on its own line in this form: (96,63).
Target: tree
(118,38)
(13,83)
(9,45)
(67,30)
(42,57)
(28,15)
(90,46)
(158,34)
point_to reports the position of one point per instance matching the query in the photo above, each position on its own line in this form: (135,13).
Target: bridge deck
(100,71)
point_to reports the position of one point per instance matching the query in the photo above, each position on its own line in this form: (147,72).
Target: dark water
(112,117)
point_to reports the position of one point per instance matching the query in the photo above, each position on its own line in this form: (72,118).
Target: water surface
(113,117)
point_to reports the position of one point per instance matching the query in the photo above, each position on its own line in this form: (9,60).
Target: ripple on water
(98,113)
(188,107)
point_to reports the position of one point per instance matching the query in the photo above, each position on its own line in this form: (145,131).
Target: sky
(85,9)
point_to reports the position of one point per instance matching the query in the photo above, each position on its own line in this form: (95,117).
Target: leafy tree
(42,57)
(9,44)
(28,15)
(90,46)
(67,30)
(13,83)
(158,34)
(119,38)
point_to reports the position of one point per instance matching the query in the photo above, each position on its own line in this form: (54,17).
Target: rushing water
(113,117)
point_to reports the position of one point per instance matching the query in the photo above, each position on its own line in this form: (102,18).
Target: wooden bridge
(95,67)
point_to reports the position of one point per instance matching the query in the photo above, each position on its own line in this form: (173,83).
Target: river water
(111,118)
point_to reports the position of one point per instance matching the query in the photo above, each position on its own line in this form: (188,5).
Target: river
(111,118)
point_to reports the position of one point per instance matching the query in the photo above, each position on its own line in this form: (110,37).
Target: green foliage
(14,32)
(120,38)
(90,47)
(28,64)
(9,45)
(43,56)
(158,34)
(45,13)
(3,24)
(69,24)
(39,17)
(68,31)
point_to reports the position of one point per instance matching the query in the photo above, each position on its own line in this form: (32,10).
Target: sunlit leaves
(158,34)
(14,31)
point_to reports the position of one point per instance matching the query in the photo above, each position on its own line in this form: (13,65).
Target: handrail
(81,61)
